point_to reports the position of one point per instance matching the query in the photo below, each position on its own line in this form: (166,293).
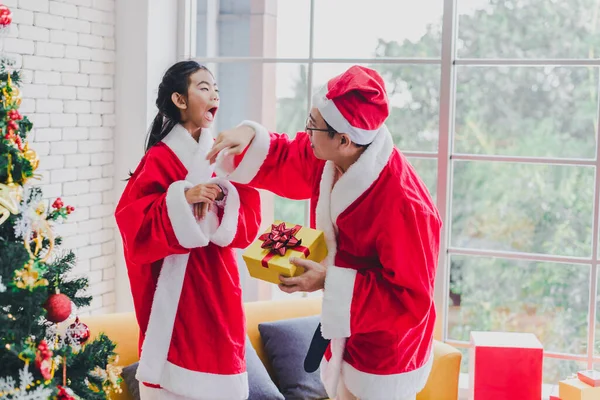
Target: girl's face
(202,101)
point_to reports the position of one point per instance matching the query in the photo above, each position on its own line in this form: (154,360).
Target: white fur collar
(351,185)
(191,154)
(361,175)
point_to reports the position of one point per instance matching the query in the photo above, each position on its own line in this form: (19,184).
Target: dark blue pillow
(260,383)
(286,343)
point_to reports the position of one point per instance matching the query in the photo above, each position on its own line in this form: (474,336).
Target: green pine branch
(81,365)
(56,272)
(21,309)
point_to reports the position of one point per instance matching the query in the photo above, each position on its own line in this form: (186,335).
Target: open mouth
(210,114)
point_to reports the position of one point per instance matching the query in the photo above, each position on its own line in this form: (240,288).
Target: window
(494,102)
(522,204)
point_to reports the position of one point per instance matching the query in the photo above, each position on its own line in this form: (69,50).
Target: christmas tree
(44,353)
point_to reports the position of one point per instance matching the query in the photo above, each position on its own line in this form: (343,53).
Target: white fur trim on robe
(337,299)
(203,386)
(162,319)
(192,154)
(226,231)
(378,387)
(362,174)
(331,371)
(323,212)
(187,230)
(253,159)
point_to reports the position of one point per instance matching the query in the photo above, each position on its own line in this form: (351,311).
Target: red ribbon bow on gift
(280,239)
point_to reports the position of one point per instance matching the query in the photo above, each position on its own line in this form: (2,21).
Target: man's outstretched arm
(252,155)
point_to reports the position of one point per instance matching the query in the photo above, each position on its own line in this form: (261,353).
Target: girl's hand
(206,194)
(200,210)
(202,193)
(221,194)
(201,198)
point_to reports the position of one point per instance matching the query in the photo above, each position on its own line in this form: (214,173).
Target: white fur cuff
(252,161)
(182,218)
(337,300)
(404,385)
(227,230)
(204,386)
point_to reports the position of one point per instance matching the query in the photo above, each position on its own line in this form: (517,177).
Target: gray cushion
(132,384)
(260,383)
(286,343)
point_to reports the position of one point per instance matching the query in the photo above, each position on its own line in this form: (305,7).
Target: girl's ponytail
(159,129)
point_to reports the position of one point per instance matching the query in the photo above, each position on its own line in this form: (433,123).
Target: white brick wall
(66,49)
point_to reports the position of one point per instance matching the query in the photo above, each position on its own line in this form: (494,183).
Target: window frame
(445,155)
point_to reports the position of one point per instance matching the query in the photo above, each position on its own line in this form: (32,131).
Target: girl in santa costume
(381,227)
(180,226)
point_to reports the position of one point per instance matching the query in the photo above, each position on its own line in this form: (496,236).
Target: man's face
(324,146)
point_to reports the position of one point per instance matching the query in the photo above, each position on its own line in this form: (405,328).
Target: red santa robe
(382,231)
(183,273)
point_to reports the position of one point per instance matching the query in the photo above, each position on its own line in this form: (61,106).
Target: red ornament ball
(5,16)
(58,307)
(78,333)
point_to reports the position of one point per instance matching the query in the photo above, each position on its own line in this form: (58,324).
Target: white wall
(146,46)
(67,51)
(92,69)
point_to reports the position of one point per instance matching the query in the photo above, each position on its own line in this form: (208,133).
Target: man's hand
(311,280)
(234,140)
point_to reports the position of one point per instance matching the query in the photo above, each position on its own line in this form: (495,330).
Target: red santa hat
(354,103)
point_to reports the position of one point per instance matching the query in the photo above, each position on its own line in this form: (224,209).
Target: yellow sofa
(123,330)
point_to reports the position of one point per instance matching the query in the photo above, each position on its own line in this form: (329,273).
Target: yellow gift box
(574,389)
(268,257)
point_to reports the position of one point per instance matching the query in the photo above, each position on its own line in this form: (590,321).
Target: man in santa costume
(381,226)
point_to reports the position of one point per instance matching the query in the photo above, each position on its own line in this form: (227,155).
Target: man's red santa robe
(183,273)
(382,231)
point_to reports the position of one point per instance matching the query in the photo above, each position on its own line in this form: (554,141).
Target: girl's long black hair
(175,80)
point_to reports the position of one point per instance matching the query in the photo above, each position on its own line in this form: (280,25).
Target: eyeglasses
(308,128)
